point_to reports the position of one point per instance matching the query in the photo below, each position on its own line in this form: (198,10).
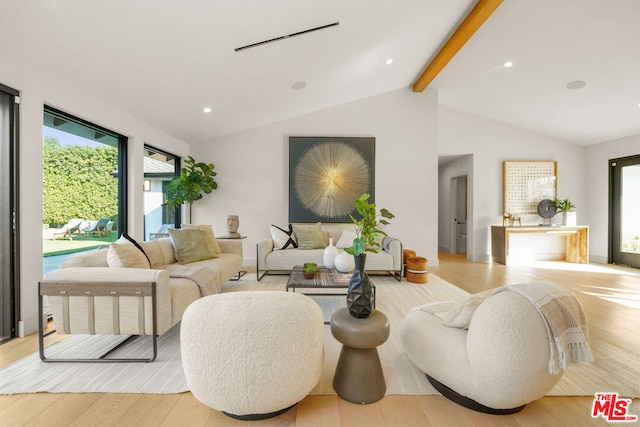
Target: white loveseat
(89,297)
(271,260)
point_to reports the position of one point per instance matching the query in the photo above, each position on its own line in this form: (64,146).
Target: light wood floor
(610,297)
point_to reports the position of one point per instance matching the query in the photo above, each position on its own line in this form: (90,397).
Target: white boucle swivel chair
(498,365)
(252,355)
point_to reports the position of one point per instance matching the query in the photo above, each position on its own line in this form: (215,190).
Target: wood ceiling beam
(474,20)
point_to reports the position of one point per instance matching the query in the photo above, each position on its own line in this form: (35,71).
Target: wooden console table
(577,241)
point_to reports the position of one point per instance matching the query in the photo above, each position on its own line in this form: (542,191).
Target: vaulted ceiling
(163,61)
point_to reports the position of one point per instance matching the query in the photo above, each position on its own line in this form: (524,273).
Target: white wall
(491,143)
(597,183)
(36,91)
(253,168)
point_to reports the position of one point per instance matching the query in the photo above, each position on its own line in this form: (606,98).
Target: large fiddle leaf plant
(367,230)
(195,180)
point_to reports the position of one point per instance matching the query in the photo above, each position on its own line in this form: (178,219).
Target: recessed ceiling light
(576,84)
(388,61)
(207,109)
(298,85)
(508,64)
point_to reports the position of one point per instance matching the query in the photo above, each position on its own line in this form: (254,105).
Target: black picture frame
(327,175)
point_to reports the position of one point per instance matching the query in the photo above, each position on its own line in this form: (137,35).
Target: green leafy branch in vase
(367,230)
(194,180)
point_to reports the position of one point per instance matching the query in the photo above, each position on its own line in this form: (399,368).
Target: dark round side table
(359,377)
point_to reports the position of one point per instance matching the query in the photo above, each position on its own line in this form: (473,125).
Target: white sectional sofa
(271,260)
(89,297)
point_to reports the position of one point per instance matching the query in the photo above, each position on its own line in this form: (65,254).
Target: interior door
(624,223)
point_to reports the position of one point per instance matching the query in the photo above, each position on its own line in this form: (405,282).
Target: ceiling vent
(299,33)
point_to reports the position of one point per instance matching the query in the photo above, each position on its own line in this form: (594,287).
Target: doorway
(459,192)
(624,208)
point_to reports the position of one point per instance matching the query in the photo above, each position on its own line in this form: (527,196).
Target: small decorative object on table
(547,209)
(329,255)
(343,262)
(565,206)
(359,294)
(506,219)
(310,269)
(233,222)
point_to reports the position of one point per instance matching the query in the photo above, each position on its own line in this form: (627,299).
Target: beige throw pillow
(208,228)
(126,255)
(310,236)
(191,244)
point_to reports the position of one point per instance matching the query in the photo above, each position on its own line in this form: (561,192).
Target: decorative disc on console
(547,208)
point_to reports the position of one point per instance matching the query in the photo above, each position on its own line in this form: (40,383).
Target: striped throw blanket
(561,312)
(204,277)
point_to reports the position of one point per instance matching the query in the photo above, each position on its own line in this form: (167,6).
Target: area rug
(165,375)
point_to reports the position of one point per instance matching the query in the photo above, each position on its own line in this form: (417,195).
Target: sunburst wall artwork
(326,176)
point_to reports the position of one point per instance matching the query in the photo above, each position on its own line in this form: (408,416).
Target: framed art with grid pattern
(526,183)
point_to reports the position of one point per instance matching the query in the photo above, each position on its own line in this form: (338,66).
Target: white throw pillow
(346,239)
(283,238)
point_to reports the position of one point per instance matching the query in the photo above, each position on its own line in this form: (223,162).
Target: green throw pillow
(190,244)
(309,236)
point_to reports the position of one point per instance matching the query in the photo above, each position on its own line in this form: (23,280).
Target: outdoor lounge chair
(69,229)
(98,227)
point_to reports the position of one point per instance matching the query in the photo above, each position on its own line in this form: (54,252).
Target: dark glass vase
(360,294)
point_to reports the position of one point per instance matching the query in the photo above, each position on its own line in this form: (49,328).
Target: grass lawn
(65,246)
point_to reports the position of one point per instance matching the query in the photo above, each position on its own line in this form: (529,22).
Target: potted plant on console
(565,206)
(194,180)
(359,293)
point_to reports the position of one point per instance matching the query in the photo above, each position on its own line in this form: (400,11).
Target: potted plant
(367,230)
(565,206)
(194,180)
(359,293)
(309,270)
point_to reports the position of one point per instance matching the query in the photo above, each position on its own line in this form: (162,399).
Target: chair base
(257,417)
(469,403)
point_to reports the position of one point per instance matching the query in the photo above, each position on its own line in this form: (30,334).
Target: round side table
(359,377)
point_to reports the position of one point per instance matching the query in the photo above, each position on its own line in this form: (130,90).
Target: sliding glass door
(159,168)
(624,247)
(84,186)
(9,280)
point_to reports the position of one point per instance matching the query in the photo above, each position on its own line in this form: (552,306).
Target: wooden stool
(406,253)
(417,269)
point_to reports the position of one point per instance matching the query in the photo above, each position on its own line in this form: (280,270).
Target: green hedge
(78,182)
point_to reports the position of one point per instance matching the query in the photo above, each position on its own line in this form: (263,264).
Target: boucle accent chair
(252,355)
(502,361)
